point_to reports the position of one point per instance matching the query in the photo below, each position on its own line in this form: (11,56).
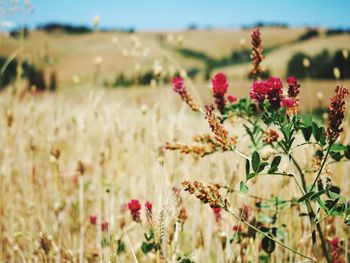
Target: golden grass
(117,135)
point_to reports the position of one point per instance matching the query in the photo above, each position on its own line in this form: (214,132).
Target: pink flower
(232,98)
(104,225)
(93,219)
(178,84)
(220,84)
(217,213)
(258,91)
(134,208)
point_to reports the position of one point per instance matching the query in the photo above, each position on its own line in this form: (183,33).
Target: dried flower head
(221,134)
(256,54)
(270,136)
(190,149)
(207,194)
(336,114)
(179,87)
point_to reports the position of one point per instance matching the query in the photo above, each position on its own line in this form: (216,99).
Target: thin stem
(321,168)
(266,235)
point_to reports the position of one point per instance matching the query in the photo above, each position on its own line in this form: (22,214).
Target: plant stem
(266,235)
(311,211)
(321,168)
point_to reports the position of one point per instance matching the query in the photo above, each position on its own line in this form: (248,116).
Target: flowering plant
(271,119)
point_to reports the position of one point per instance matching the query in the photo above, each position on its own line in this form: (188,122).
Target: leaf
(347,152)
(276,162)
(306,196)
(314,196)
(262,166)
(307,120)
(307,133)
(247,167)
(251,176)
(256,161)
(243,187)
(337,147)
(268,245)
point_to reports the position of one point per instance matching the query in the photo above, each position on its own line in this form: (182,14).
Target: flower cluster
(179,87)
(219,90)
(336,114)
(221,134)
(256,54)
(207,194)
(272,90)
(134,207)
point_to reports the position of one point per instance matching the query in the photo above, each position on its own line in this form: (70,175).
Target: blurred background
(124,44)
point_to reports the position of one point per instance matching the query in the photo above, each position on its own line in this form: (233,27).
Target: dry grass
(118,140)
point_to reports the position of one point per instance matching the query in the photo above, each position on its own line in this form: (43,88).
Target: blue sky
(177,14)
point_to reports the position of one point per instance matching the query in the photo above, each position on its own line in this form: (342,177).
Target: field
(72,160)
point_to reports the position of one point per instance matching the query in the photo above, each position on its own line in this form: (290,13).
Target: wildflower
(134,208)
(232,98)
(288,103)
(256,54)
(217,213)
(258,91)
(104,225)
(93,219)
(186,149)
(221,134)
(274,91)
(236,228)
(345,54)
(179,87)
(207,194)
(336,114)
(182,216)
(306,63)
(246,212)
(336,73)
(270,136)
(148,206)
(294,87)
(219,89)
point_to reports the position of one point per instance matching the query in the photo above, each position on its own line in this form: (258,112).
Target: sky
(178,14)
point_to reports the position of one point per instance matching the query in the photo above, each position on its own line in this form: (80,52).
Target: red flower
(93,219)
(236,228)
(148,206)
(217,213)
(104,225)
(178,84)
(258,91)
(232,98)
(220,84)
(336,114)
(294,87)
(134,208)
(274,91)
(219,89)
(288,103)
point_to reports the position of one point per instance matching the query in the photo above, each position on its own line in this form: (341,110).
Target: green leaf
(262,166)
(338,147)
(247,167)
(314,196)
(307,120)
(307,131)
(256,161)
(276,162)
(306,196)
(268,245)
(243,187)
(251,176)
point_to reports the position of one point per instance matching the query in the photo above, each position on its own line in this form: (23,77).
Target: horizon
(155,15)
